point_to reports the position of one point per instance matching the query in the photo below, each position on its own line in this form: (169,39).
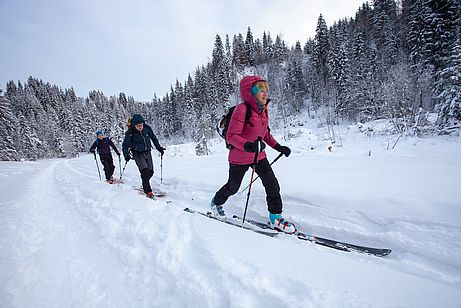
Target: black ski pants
(108,164)
(270,183)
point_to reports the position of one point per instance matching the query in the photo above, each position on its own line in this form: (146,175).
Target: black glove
(127,158)
(253,146)
(161,150)
(92,151)
(283,149)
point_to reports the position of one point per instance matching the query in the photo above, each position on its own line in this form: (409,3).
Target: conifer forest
(394,60)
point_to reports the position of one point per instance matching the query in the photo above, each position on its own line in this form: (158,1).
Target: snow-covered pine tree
(220,69)
(339,69)
(280,50)
(7,130)
(449,91)
(239,57)
(295,84)
(250,48)
(27,142)
(189,119)
(268,48)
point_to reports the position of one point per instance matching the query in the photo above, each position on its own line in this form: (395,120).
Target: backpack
(223,124)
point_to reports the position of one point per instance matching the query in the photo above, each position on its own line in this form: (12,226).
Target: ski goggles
(260,86)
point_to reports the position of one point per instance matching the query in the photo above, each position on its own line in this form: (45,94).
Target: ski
(156,193)
(378,252)
(271,233)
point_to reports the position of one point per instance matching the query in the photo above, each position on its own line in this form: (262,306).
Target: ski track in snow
(161,253)
(83,243)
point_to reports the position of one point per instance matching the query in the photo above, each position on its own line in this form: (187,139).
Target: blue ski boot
(277,222)
(218,211)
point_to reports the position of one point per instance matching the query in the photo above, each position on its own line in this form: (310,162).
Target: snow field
(70,240)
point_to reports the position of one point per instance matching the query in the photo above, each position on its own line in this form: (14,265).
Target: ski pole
(123,170)
(97,166)
(120,166)
(252,175)
(161,168)
(277,158)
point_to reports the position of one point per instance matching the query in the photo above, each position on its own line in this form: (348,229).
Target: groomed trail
(71,240)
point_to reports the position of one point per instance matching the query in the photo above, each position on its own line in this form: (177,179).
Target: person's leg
(273,198)
(271,185)
(236,174)
(144,170)
(111,166)
(146,174)
(106,164)
(150,163)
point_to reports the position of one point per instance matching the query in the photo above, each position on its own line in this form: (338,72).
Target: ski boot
(277,222)
(218,211)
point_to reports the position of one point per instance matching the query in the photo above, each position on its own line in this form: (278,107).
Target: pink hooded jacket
(240,132)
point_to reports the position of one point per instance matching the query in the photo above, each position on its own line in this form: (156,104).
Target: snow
(70,240)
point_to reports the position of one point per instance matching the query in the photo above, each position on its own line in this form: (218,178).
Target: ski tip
(376,252)
(384,253)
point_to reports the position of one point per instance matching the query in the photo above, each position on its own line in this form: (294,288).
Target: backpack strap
(248,115)
(131,137)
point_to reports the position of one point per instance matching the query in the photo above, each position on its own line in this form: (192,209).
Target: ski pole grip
(260,139)
(257,151)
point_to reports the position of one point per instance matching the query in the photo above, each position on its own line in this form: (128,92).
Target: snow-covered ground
(69,240)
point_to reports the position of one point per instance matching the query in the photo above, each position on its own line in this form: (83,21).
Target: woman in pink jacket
(243,136)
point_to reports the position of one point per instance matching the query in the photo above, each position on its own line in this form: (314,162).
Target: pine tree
(250,48)
(339,68)
(280,50)
(449,89)
(177,99)
(220,69)
(268,47)
(27,142)
(7,130)
(321,47)
(384,22)
(189,120)
(239,57)
(295,83)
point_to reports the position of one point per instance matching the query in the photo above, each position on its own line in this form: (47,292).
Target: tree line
(399,61)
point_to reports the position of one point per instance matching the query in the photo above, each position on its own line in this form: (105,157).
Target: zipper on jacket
(145,144)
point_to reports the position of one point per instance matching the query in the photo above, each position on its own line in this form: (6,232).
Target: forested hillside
(400,62)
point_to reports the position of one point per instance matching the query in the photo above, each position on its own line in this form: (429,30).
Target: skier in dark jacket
(138,141)
(103,145)
(244,139)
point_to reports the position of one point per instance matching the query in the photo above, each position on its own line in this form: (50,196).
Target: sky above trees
(141,47)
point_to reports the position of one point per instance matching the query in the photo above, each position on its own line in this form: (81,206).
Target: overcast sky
(140,47)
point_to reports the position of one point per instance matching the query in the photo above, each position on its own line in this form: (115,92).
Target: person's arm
(155,140)
(126,145)
(114,147)
(93,147)
(269,139)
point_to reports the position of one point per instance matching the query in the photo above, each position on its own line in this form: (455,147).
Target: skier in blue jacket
(103,146)
(138,141)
